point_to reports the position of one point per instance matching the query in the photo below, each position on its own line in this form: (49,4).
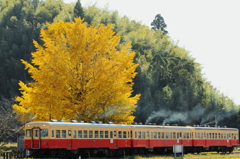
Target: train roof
(94,124)
(80,124)
(215,128)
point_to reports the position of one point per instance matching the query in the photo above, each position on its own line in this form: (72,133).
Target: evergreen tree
(78,10)
(159,24)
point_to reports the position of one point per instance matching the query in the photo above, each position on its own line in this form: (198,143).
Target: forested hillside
(169,80)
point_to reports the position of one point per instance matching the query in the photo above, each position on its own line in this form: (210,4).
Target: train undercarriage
(63,153)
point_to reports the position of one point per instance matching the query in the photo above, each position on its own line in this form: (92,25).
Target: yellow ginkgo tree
(80,73)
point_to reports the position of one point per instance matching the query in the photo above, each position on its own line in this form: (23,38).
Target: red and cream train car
(59,139)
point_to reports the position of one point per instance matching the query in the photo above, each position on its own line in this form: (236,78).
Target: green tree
(159,24)
(78,10)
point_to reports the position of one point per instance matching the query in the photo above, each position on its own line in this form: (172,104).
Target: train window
(187,136)
(162,135)
(154,135)
(36,133)
(170,135)
(128,135)
(139,135)
(159,135)
(28,133)
(58,134)
(85,134)
(124,134)
(221,135)
(166,135)
(101,134)
(96,134)
(174,135)
(216,136)
(114,134)
(150,135)
(74,134)
(106,134)
(234,136)
(79,134)
(143,135)
(44,133)
(52,133)
(147,134)
(111,134)
(90,134)
(119,134)
(224,136)
(69,132)
(177,135)
(131,134)
(63,134)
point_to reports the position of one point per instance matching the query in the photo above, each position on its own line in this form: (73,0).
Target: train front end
(36,136)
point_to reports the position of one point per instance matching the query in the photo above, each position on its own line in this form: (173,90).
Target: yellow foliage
(79,73)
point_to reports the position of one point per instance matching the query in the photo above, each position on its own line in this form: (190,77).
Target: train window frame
(143,135)
(163,135)
(80,134)
(224,135)
(52,133)
(170,135)
(174,135)
(58,134)
(155,135)
(69,133)
(85,134)
(111,134)
(150,135)
(44,132)
(74,134)
(147,135)
(36,133)
(124,134)
(159,135)
(106,134)
(63,134)
(166,135)
(90,134)
(101,134)
(28,133)
(96,134)
(120,134)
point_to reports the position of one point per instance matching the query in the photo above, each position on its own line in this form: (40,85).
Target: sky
(208,29)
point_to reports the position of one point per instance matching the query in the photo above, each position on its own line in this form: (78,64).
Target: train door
(36,138)
(69,138)
(114,139)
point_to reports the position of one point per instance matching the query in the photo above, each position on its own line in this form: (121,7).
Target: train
(77,138)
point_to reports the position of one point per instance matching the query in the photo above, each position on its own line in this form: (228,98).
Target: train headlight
(44,125)
(28,126)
